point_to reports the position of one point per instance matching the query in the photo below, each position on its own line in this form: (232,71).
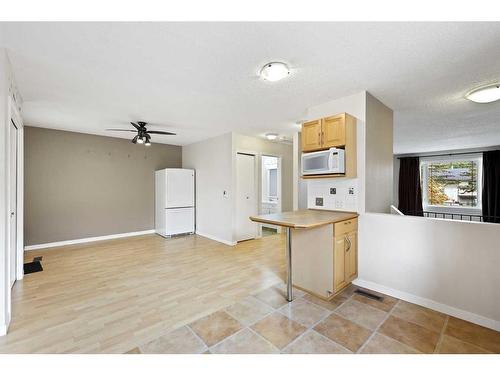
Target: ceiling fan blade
(159,132)
(135,125)
(122,130)
(134,140)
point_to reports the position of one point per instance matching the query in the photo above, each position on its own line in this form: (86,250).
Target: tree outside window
(451,183)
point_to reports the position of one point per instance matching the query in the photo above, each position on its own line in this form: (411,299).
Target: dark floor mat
(32,267)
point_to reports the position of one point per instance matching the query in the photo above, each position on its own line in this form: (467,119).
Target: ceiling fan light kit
(143,135)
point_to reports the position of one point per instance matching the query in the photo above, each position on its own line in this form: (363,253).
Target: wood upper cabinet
(333,131)
(311,136)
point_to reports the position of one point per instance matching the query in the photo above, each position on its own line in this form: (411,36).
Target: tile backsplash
(340,194)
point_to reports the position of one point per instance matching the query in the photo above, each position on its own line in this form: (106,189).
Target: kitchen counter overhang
(304,218)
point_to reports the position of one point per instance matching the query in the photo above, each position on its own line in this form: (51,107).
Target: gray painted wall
(80,185)
(379,156)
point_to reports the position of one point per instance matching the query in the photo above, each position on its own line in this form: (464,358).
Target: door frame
(258,175)
(280,186)
(256,189)
(14,116)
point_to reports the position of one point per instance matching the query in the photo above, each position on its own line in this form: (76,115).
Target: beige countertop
(304,218)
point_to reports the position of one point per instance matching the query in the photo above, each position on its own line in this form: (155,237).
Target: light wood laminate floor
(112,296)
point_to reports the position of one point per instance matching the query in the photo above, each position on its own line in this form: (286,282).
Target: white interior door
(13,203)
(246,197)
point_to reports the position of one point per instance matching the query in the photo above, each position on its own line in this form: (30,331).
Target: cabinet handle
(348,243)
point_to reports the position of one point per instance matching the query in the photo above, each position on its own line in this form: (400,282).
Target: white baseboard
(445,309)
(88,239)
(209,236)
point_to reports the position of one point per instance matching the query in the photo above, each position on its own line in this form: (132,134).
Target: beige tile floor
(350,323)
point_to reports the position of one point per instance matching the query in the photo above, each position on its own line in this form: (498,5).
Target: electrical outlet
(319,201)
(339,203)
(333,190)
(351,191)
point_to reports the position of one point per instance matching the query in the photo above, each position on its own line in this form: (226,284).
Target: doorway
(246,197)
(270,191)
(13,202)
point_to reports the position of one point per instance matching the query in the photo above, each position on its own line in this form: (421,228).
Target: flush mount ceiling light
(271,136)
(485,94)
(274,71)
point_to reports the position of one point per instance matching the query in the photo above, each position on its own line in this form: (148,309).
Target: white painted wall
(215,163)
(354,105)
(342,200)
(8,92)
(260,146)
(449,266)
(214,167)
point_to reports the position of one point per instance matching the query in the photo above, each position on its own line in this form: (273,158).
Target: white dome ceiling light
(274,71)
(485,94)
(271,136)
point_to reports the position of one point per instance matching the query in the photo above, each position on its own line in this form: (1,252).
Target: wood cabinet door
(333,129)
(339,276)
(311,136)
(351,256)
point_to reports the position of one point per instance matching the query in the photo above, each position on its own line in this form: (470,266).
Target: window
(453,182)
(273,183)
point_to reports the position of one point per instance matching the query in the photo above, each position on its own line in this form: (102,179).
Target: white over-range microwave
(324,162)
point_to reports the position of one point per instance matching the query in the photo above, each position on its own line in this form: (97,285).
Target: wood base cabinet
(345,260)
(325,259)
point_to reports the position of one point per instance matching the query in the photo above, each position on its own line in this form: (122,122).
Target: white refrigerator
(174,201)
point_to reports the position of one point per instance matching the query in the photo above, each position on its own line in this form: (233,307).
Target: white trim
(88,239)
(209,236)
(478,158)
(13,116)
(445,309)
(3,330)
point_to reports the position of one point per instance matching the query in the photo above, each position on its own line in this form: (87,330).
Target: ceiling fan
(143,135)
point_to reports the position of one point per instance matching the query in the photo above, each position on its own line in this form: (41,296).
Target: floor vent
(369,295)
(32,267)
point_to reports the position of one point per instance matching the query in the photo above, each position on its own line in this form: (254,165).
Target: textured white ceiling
(200,79)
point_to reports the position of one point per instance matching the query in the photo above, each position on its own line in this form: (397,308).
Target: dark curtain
(410,190)
(491,186)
